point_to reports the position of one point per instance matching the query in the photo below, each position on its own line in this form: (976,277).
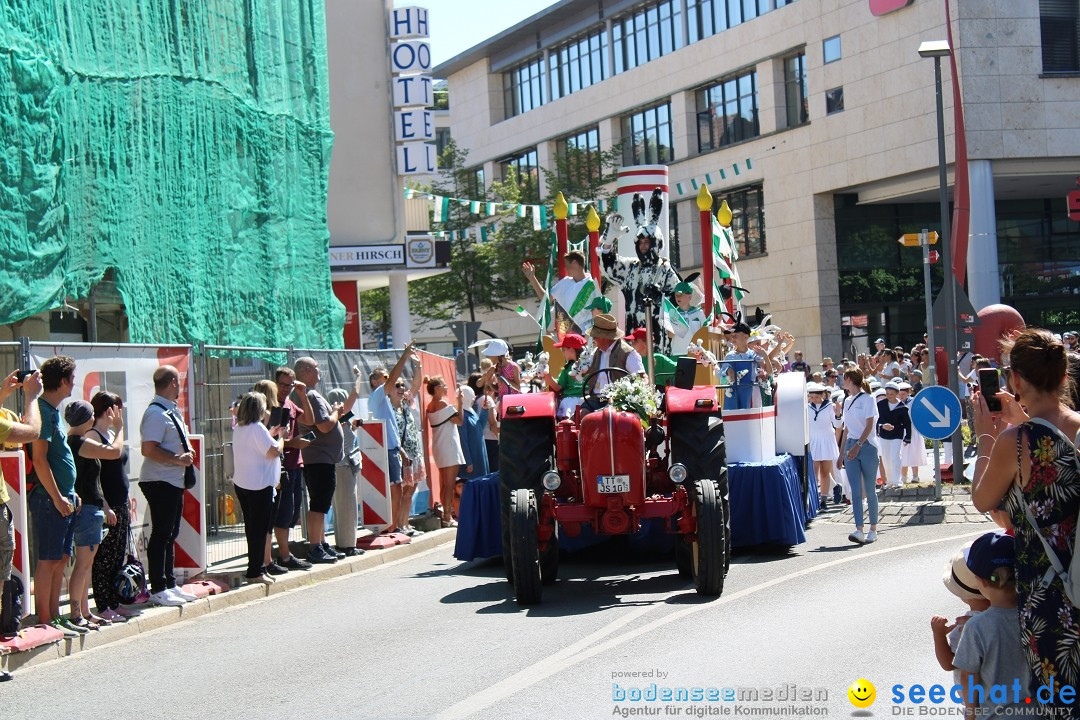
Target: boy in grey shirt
(993,673)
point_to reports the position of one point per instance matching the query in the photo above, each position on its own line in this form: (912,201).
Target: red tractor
(605,470)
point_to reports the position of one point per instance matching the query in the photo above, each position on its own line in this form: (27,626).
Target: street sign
(912,239)
(1073,201)
(936,412)
(934,257)
(965,311)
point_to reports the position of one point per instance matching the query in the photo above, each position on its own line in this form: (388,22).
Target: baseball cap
(572,341)
(989,552)
(880,340)
(638,334)
(958,578)
(600,303)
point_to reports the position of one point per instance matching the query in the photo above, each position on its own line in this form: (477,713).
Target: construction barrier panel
(377,511)
(14,465)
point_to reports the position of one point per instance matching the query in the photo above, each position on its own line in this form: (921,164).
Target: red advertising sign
(883,7)
(1072,200)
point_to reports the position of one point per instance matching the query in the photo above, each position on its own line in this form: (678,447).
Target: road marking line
(580,651)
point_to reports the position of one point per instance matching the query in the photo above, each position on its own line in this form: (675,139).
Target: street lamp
(938,49)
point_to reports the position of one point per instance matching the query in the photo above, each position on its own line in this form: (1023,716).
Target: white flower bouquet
(632,394)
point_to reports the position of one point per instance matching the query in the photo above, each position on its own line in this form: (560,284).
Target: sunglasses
(399,386)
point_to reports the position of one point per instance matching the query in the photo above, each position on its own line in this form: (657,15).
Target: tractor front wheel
(525,547)
(709,550)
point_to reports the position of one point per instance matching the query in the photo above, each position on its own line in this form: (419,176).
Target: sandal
(99,620)
(84,623)
(451,523)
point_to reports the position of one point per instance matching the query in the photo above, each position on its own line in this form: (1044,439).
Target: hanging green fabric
(186,146)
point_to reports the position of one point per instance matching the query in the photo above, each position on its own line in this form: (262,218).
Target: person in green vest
(567,386)
(664,366)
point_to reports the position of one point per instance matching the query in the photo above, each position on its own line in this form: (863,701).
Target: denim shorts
(89,526)
(393,462)
(54,533)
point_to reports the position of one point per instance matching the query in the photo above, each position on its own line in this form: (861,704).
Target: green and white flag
(490,208)
(519,210)
(474,207)
(442,208)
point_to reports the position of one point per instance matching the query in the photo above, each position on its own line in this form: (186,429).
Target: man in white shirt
(573,294)
(612,351)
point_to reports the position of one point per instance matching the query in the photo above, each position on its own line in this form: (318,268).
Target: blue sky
(457,25)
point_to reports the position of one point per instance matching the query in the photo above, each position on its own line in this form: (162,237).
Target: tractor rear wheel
(525,547)
(709,549)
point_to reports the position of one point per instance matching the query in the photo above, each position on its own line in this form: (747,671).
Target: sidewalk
(157,617)
(915,505)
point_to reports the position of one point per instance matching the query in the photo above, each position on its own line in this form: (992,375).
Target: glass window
(747,218)
(476,186)
(727,112)
(528,174)
(830,49)
(798,110)
(648,136)
(834,100)
(646,34)
(1060,22)
(580,154)
(442,138)
(523,87)
(578,64)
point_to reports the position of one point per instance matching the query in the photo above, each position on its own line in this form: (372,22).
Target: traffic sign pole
(932,367)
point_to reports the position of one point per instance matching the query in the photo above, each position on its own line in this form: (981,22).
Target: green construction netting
(183,143)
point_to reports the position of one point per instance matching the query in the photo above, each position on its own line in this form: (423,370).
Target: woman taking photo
(445,443)
(257,467)
(859,455)
(1027,456)
(115,489)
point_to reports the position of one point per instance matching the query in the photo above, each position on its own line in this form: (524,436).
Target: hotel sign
(410,63)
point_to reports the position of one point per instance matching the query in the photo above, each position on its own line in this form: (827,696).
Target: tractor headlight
(678,473)
(551,480)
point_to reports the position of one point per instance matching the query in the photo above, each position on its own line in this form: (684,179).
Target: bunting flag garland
(691,185)
(442,209)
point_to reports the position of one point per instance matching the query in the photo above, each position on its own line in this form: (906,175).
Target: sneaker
(183,594)
(350,552)
(294,563)
(68,632)
(411,531)
(166,598)
(274,569)
(332,551)
(857,537)
(871,536)
(317,556)
(837,493)
(72,625)
(264,579)
(5,676)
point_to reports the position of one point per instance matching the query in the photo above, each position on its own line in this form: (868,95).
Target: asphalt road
(431,637)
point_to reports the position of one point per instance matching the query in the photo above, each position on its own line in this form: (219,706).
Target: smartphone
(310,437)
(21,377)
(275,417)
(346,417)
(989,386)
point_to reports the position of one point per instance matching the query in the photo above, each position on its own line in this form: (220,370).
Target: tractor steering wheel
(592,401)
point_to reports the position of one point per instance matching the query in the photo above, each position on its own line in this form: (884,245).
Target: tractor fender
(528,405)
(680,400)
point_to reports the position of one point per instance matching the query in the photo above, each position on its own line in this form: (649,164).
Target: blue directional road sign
(936,412)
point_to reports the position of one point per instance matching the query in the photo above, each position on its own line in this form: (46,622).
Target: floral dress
(1049,624)
(409,431)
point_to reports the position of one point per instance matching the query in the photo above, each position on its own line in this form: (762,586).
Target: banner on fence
(433,366)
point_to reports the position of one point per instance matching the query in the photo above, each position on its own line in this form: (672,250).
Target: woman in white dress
(445,444)
(823,447)
(912,455)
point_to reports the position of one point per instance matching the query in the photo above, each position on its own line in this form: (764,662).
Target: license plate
(613,483)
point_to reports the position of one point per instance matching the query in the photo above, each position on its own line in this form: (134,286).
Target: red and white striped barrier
(189,550)
(14,465)
(375,503)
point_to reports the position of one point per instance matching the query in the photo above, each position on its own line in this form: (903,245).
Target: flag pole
(705,203)
(561,211)
(592,222)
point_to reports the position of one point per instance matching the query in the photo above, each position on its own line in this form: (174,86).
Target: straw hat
(605,327)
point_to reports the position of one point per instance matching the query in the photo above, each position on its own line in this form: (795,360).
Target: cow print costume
(645,277)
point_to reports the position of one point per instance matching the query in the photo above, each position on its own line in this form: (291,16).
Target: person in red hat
(568,387)
(663,366)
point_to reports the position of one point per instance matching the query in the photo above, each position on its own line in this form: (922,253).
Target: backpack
(11,598)
(1070,578)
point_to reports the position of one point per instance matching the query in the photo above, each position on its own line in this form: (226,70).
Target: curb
(153,618)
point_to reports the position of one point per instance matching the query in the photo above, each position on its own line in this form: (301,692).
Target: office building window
(798,110)
(727,112)
(528,174)
(830,49)
(834,100)
(747,218)
(476,187)
(646,34)
(1060,21)
(523,87)
(648,136)
(705,18)
(578,64)
(579,155)
(442,138)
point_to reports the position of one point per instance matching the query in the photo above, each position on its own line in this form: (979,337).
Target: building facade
(815,120)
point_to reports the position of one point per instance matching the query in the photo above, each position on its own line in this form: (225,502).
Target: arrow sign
(936,412)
